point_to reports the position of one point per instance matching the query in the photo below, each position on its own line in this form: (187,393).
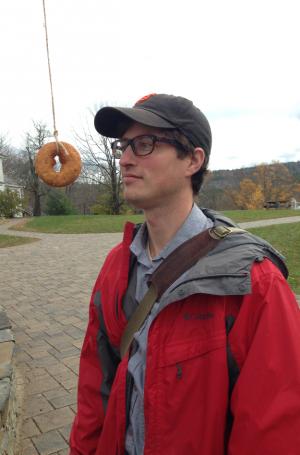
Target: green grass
(10,240)
(240,216)
(79,224)
(286,239)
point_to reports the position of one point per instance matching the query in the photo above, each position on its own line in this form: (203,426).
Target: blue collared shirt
(195,223)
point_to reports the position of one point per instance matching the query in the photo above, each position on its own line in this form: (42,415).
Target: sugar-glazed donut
(69,159)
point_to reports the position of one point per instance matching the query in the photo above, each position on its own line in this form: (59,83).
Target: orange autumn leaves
(267,183)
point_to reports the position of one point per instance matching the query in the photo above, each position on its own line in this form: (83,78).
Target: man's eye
(144,144)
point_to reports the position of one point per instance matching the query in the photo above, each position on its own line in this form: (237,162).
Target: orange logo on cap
(146,97)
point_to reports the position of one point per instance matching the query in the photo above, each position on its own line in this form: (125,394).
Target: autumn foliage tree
(275,181)
(248,196)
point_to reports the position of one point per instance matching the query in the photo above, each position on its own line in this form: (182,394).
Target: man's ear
(196,161)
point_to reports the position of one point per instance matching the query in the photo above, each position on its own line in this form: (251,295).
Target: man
(215,366)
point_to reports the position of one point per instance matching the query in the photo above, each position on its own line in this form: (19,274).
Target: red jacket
(186,383)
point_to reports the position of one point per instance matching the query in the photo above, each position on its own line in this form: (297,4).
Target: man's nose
(127,157)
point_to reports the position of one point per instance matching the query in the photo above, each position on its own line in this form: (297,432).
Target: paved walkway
(261,223)
(45,289)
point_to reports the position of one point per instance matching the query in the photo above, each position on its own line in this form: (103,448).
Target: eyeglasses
(141,145)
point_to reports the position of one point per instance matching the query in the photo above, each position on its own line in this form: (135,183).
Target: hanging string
(55,132)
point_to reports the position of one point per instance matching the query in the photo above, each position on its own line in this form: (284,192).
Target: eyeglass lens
(141,145)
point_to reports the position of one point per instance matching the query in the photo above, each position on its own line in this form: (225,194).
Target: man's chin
(135,203)
(135,200)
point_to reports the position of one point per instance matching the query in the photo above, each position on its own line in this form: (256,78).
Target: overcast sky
(238,60)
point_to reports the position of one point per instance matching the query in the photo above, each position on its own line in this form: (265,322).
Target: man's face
(157,179)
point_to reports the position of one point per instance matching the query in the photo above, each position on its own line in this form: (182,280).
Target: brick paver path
(45,289)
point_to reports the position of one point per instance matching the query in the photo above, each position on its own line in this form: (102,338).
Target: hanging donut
(69,159)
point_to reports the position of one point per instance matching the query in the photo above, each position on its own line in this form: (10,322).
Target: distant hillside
(294,168)
(225,178)
(212,194)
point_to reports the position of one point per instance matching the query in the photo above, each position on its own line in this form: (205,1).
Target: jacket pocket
(186,403)
(178,352)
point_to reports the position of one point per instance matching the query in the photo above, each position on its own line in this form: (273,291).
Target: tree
(102,168)
(34,141)
(249,196)
(5,148)
(10,203)
(58,204)
(213,196)
(11,163)
(275,181)
(83,196)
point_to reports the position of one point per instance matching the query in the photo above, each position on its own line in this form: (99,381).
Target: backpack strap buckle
(220,232)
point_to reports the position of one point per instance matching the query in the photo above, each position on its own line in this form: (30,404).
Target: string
(55,132)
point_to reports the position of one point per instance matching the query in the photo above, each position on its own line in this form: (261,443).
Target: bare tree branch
(100,166)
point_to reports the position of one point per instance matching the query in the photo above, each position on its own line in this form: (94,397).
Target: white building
(294,204)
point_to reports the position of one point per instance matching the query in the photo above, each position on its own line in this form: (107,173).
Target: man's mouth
(130,178)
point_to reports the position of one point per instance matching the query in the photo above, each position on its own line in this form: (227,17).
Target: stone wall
(8,397)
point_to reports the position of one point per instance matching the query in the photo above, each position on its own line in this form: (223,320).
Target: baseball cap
(158,111)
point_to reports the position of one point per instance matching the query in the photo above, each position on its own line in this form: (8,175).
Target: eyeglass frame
(154,139)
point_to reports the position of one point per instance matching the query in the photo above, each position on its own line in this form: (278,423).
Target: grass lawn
(286,239)
(9,240)
(80,224)
(240,216)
